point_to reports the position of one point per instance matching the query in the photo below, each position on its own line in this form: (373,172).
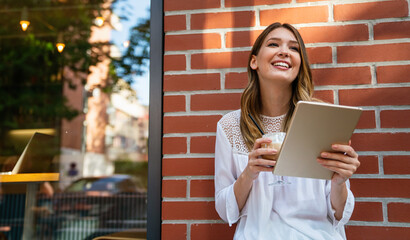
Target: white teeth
(282,64)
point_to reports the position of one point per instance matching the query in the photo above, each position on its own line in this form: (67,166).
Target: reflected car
(105,186)
(116,202)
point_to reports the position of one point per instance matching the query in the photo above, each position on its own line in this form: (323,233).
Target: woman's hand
(256,163)
(343,161)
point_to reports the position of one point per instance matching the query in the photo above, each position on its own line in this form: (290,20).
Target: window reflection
(82,96)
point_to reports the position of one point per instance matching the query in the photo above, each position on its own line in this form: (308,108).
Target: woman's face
(278,58)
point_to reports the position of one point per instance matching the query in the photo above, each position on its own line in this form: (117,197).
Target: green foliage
(30,85)
(137,54)
(31,68)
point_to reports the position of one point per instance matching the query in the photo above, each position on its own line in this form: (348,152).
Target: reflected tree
(31,68)
(136,56)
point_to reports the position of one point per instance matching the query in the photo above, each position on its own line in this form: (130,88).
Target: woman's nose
(283,51)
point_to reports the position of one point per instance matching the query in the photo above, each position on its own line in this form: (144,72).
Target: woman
(279,77)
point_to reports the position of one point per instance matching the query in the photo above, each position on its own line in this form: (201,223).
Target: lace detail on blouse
(230,123)
(272,124)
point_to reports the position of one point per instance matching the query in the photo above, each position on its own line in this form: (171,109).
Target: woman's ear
(253,64)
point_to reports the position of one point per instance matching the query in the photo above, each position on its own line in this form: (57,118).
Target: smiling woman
(286,51)
(279,77)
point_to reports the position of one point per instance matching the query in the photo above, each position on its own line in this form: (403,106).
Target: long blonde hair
(302,88)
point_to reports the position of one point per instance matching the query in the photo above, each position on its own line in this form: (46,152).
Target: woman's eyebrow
(279,39)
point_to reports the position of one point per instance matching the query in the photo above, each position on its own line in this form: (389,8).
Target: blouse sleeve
(225,200)
(347,212)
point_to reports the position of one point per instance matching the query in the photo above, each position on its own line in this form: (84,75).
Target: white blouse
(300,210)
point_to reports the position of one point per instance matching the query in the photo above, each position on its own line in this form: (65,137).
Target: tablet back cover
(314,127)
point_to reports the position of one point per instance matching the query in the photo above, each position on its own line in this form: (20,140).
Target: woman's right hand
(256,162)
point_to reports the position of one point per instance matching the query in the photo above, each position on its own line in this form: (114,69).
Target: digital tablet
(313,128)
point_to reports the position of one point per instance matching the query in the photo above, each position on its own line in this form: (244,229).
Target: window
(77,71)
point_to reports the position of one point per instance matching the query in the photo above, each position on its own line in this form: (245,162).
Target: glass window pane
(74,127)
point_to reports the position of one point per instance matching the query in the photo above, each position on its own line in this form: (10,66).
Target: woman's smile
(281,65)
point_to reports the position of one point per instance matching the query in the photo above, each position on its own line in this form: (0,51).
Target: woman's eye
(295,49)
(273,44)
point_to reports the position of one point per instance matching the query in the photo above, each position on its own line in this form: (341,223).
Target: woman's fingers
(344,161)
(263,162)
(258,143)
(256,161)
(340,157)
(336,165)
(263,168)
(260,151)
(345,149)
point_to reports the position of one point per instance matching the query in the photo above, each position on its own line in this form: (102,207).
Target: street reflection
(83,96)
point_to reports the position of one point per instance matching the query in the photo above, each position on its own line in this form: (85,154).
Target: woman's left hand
(343,161)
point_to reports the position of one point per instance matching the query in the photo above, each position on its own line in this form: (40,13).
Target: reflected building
(112,126)
(127,129)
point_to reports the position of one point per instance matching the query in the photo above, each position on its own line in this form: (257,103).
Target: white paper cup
(277,140)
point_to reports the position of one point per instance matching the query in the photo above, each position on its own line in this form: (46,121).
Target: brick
(367,120)
(358,32)
(368,165)
(192,41)
(396,164)
(203,144)
(174,103)
(174,23)
(241,3)
(190,124)
(381,141)
(384,188)
(342,76)
(301,1)
(192,82)
(375,96)
(170,231)
(319,55)
(174,62)
(373,53)
(391,30)
(324,95)
(222,101)
(367,211)
(174,145)
(219,60)
(188,167)
(395,119)
(398,212)
(377,233)
(174,188)
(202,188)
(189,211)
(212,231)
(222,20)
(371,10)
(241,38)
(345,33)
(294,15)
(393,74)
(175,5)
(236,80)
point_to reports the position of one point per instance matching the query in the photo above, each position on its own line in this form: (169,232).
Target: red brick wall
(360,55)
